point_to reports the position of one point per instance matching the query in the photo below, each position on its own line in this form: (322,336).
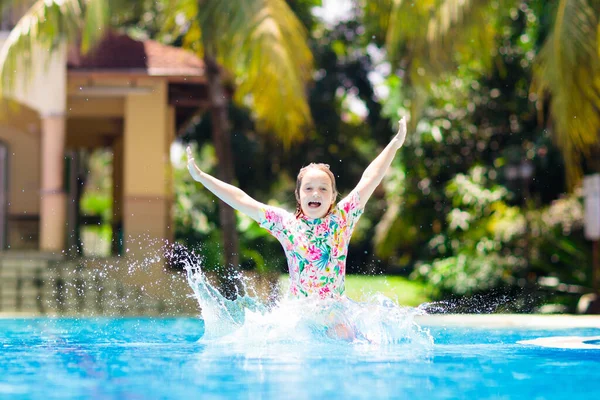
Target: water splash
(251,321)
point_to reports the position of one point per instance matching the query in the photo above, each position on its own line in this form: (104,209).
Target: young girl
(315,238)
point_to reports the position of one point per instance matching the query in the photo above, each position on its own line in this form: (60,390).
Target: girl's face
(316,193)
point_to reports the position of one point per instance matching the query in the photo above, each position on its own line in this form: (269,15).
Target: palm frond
(264,44)
(47,25)
(431,37)
(96,19)
(181,18)
(44,26)
(376,16)
(568,71)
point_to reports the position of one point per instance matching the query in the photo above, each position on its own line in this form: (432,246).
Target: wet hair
(320,167)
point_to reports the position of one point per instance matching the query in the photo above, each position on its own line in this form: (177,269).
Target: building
(126,95)
(131,96)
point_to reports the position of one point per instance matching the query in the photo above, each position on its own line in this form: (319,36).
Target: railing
(95,238)
(34,285)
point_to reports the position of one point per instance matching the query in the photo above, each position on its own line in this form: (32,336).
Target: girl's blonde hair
(320,167)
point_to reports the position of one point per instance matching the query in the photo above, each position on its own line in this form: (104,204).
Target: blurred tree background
(480,200)
(484,198)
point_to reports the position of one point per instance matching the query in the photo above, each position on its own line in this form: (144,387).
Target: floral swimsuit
(316,249)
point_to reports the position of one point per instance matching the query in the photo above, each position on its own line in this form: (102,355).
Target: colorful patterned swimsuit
(316,249)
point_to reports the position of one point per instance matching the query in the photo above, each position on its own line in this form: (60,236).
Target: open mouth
(314,204)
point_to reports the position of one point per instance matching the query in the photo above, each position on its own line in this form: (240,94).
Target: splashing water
(248,321)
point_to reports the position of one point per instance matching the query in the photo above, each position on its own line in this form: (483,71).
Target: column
(145,196)
(53,197)
(170,190)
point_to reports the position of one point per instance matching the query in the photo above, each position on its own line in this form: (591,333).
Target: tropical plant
(479,250)
(489,244)
(47,25)
(263,45)
(260,43)
(567,76)
(427,39)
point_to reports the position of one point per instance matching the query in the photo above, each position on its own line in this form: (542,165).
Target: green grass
(360,287)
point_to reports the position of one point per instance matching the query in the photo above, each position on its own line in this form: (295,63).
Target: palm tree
(568,74)
(48,24)
(265,46)
(260,43)
(428,38)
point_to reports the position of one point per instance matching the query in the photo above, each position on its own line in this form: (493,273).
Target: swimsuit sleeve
(275,220)
(350,210)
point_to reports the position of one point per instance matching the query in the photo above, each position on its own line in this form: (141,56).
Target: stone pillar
(145,197)
(169,183)
(53,197)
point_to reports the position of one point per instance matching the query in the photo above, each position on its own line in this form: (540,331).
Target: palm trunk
(221,136)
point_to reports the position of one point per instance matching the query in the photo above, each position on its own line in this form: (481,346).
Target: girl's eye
(323,189)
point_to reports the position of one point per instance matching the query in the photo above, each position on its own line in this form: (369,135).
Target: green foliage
(567,77)
(195,211)
(427,39)
(449,209)
(44,28)
(558,247)
(363,287)
(488,244)
(263,45)
(197,224)
(405,292)
(477,250)
(97,204)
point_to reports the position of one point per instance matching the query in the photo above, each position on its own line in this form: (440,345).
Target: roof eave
(172,75)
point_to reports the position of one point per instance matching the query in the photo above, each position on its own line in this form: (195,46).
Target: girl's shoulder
(350,202)
(275,215)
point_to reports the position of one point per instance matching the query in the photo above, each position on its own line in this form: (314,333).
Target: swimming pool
(162,358)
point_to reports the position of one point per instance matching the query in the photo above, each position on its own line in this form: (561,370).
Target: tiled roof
(124,54)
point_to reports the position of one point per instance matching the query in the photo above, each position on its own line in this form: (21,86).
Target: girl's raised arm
(230,194)
(375,172)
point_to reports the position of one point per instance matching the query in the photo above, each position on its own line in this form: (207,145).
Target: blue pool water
(167,358)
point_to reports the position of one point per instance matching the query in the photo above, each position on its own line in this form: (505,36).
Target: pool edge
(510,320)
(532,321)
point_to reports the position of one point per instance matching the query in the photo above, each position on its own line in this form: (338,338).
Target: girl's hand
(401,135)
(192,167)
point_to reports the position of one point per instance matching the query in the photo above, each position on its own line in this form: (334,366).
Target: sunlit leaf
(45,26)
(265,46)
(568,72)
